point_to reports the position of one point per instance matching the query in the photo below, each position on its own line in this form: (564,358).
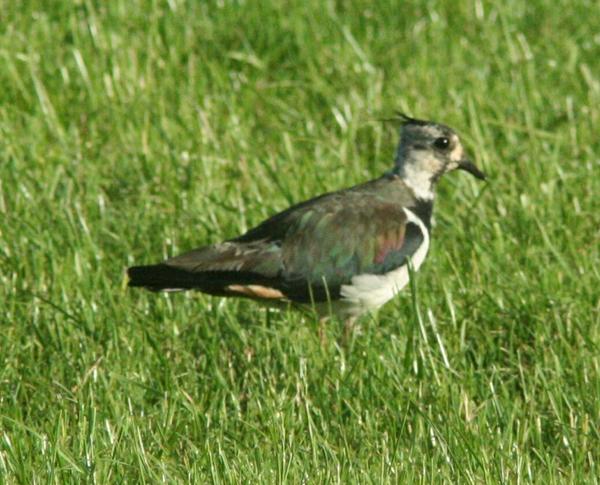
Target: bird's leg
(322,331)
(348,330)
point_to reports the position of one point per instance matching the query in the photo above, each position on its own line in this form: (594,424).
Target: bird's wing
(327,246)
(325,242)
(303,254)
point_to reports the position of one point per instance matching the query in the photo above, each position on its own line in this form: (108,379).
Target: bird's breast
(370,291)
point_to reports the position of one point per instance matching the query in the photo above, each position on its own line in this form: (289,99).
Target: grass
(133,130)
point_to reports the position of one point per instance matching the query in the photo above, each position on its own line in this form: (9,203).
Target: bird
(343,253)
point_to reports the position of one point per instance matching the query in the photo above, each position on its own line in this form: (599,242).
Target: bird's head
(426,151)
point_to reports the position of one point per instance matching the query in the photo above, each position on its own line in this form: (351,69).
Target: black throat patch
(423,210)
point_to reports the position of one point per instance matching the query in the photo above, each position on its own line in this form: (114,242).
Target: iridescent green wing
(324,243)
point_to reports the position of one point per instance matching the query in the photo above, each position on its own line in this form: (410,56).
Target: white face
(432,150)
(457,153)
(426,152)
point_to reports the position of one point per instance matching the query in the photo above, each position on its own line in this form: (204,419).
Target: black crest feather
(404,119)
(407,120)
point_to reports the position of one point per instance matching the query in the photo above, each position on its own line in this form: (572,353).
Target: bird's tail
(161,277)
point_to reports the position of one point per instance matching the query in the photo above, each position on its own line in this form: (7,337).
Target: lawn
(132,130)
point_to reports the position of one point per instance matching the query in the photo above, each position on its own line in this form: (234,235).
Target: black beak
(469,166)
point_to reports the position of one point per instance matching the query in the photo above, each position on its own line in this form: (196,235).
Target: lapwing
(344,253)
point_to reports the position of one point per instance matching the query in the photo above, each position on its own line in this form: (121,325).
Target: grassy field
(134,130)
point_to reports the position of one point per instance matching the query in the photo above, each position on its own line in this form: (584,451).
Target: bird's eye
(441,143)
